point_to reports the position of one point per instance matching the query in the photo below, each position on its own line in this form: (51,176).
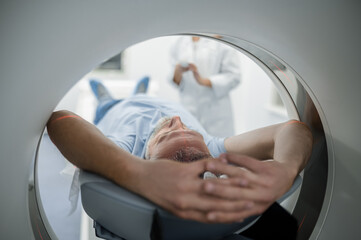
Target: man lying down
(157,149)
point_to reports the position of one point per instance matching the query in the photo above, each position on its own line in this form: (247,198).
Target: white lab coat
(217,62)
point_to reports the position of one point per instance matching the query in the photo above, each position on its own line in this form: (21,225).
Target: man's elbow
(58,114)
(305,131)
(304,134)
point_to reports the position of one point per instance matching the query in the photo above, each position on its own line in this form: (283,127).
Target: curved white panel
(46,46)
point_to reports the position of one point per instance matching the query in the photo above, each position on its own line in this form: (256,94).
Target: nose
(176,122)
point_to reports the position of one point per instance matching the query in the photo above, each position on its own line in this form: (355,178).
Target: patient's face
(172,136)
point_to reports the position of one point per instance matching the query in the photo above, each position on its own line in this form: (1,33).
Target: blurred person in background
(205,71)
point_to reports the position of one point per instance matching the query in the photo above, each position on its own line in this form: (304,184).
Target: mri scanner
(309,48)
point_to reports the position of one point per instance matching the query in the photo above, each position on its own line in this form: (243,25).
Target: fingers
(241,184)
(233,192)
(192,215)
(219,216)
(192,195)
(209,208)
(251,164)
(199,207)
(222,216)
(189,197)
(229,217)
(237,216)
(218,204)
(199,167)
(226,191)
(219,167)
(180,69)
(218,200)
(213,217)
(192,67)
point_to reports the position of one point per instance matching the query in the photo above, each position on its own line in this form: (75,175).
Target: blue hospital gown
(130,123)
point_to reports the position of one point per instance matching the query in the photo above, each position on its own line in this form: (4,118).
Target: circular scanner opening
(268,92)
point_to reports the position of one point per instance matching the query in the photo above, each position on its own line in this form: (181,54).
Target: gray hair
(156,129)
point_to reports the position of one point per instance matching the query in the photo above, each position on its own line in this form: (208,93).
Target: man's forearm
(289,143)
(87,148)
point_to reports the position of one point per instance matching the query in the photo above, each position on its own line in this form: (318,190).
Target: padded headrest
(131,216)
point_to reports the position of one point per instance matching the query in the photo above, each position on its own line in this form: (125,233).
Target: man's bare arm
(86,147)
(289,143)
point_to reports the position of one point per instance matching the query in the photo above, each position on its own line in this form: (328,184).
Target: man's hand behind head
(179,188)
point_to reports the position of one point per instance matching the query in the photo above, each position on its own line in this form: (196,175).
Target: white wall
(151,58)
(253,100)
